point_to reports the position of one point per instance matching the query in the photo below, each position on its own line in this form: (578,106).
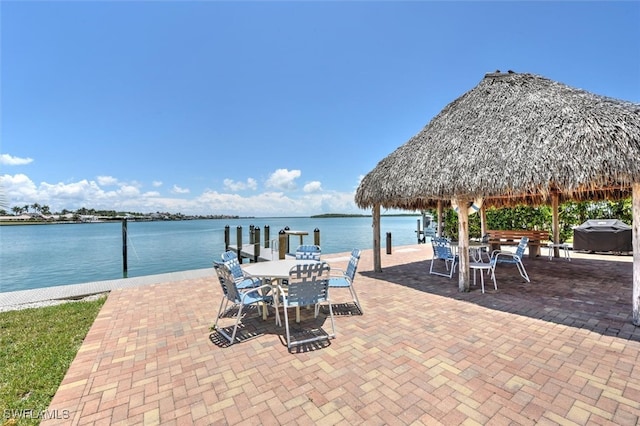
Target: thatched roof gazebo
(514,139)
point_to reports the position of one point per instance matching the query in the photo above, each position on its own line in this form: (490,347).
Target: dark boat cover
(603,235)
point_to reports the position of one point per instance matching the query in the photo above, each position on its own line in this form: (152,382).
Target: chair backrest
(521,246)
(308,284)
(308,252)
(441,248)
(230,259)
(353,264)
(227,282)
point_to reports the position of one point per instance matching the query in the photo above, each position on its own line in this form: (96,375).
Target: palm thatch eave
(514,138)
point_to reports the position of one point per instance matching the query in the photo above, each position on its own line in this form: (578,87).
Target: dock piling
(124,248)
(239,242)
(282,244)
(227,238)
(256,243)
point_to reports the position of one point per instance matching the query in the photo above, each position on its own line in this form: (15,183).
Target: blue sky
(263,108)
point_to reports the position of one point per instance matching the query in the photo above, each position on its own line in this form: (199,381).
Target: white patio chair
(502,257)
(308,285)
(344,279)
(240,298)
(308,252)
(230,258)
(442,251)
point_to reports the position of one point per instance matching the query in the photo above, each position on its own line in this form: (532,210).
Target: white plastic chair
(499,256)
(442,251)
(308,252)
(308,285)
(240,298)
(230,258)
(344,279)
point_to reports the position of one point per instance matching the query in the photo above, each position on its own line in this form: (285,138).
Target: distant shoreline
(144,219)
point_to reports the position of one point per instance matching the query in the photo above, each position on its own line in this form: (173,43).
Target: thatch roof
(514,138)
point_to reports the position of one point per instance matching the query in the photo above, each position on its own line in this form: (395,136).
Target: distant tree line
(37,208)
(43,212)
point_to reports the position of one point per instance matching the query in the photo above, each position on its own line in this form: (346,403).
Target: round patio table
(475,249)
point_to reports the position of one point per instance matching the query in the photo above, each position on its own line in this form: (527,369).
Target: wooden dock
(256,251)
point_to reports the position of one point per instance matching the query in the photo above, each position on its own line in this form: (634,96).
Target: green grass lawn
(36,350)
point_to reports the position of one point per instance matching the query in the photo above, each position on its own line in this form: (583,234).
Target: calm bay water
(35,256)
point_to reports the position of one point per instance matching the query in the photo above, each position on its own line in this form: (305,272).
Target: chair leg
(449,272)
(286,326)
(235,327)
(493,276)
(222,302)
(355,298)
(523,272)
(276,297)
(453,267)
(333,325)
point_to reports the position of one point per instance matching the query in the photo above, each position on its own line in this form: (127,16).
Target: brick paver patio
(561,350)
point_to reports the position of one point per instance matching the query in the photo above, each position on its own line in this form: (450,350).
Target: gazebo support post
(483,221)
(377,265)
(439,219)
(635,199)
(463,245)
(555,221)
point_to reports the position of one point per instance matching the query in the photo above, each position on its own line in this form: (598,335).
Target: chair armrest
(252,289)
(337,272)
(245,292)
(504,254)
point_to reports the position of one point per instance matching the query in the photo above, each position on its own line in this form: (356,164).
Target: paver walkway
(560,350)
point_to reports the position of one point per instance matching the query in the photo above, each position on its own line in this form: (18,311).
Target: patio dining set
(301,281)
(444,251)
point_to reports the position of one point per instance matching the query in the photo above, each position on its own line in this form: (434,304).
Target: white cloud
(20,190)
(283,179)
(232,185)
(157,183)
(10,160)
(19,187)
(314,186)
(107,180)
(129,191)
(177,190)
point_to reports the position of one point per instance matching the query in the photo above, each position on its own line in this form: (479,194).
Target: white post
(377,264)
(636,252)
(439,219)
(463,244)
(555,222)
